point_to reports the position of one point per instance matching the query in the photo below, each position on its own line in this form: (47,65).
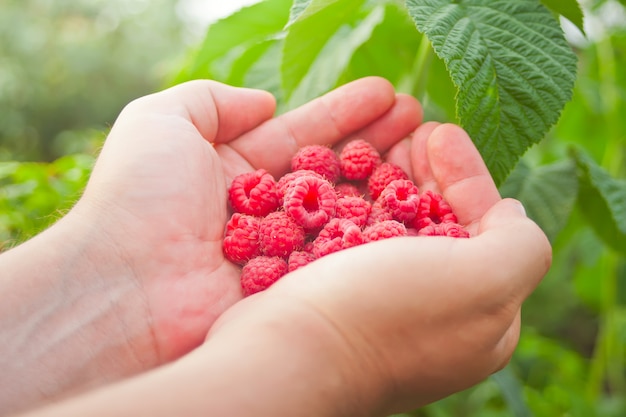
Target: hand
(406,321)
(158,190)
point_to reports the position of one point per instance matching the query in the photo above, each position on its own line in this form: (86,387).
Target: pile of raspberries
(328,202)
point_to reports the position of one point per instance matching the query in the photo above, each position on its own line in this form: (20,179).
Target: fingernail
(520,207)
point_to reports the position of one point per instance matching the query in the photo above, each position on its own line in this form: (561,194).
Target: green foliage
(73,65)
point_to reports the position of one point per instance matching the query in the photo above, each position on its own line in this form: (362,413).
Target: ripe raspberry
(346,189)
(384,230)
(444,229)
(298,259)
(318,158)
(358,160)
(261,272)
(286,181)
(433,209)
(382,176)
(310,202)
(253,193)
(338,234)
(356,209)
(241,240)
(379,213)
(401,199)
(279,235)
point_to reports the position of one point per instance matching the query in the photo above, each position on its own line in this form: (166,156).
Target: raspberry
(286,181)
(401,199)
(241,240)
(261,272)
(378,213)
(358,160)
(310,202)
(298,259)
(433,209)
(338,234)
(346,189)
(444,229)
(384,230)
(382,176)
(318,158)
(254,193)
(279,235)
(356,209)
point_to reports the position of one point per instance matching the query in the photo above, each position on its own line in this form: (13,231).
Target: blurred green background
(67,69)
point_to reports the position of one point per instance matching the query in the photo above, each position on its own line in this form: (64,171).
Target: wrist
(73,320)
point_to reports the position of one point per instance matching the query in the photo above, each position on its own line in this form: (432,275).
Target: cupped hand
(158,191)
(411,320)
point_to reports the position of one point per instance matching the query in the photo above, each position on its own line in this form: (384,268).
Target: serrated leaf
(602,201)
(334,58)
(308,35)
(548,193)
(569,9)
(240,30)
(512,66)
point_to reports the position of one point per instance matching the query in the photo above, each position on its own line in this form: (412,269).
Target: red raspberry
(286,181)
(379,213)
(433,209)
(382,176)
(310,202)
(356,209)
(241,241)
(338,234)
(358,160)
(444,229)
(279,235)
(384,230)
(318,158)
(346,189)
(254,193)
(298,259)
(261,272)
(401,199)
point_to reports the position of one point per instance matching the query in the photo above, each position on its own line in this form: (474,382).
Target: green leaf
(569,9)
(512,391)
(603,201)
(512,66)
(238,31)
(298,7)
(334,58)
(309,34)
(548,193)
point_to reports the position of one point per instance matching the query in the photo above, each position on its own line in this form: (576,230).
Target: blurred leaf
(334,57)
(237,32)
(570,9)
(512,66)
(603,201)
(512,391)
(297,8)
(308,35)
(547,192)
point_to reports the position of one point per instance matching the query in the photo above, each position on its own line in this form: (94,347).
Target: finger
(400,155)
(460,173)
(396,124)
(420,166)
(325,120)
(218,111)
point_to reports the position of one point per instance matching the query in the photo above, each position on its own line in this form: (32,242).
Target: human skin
(133,276)
(368,331)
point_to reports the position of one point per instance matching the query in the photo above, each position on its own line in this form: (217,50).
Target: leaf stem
(421,64)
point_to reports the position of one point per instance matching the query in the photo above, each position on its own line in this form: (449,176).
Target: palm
(166,185)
